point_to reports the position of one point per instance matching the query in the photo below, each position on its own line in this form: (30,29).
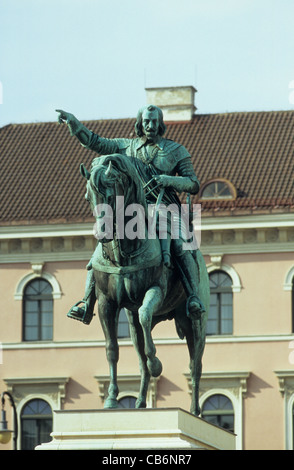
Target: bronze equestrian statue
(152,278)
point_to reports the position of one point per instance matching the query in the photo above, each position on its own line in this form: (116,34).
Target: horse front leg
(108,313)
(152,301)
(138,342)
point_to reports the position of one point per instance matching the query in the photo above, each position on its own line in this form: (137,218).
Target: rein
(118,184)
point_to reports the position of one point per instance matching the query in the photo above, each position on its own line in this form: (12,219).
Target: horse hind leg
(108,313)
(138,342)
(196,343)
(152,301)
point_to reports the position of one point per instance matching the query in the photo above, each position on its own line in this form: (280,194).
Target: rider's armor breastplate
(165,157)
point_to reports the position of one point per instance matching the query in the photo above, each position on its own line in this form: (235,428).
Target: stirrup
(80,313)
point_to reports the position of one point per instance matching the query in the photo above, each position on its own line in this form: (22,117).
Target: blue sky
(94,58)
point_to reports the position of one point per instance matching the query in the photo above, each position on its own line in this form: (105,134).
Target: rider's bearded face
(150,124)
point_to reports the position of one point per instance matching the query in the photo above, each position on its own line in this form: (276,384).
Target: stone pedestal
(149,429)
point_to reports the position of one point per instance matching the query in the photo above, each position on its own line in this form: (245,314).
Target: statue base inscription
(136,429)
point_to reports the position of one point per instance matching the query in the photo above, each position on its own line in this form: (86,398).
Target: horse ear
(109,169)
(84,172)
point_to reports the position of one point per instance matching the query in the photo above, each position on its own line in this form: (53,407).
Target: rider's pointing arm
(86,137)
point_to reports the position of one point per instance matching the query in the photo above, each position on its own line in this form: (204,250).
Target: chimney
(176,103)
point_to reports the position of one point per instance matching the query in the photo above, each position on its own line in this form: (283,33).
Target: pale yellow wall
(10,275)
(262,307)
(71,277)
(263,403)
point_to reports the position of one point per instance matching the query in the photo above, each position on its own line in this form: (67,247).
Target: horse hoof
(110,403)
(154,367)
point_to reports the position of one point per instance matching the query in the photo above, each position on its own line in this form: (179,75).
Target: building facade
(244,162)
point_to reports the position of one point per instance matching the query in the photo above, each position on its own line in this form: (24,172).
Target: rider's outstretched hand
(64,116)
(72,122)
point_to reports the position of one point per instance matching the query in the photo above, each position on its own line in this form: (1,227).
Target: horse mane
(124,172)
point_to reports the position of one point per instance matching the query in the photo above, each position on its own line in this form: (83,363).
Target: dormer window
(218,188)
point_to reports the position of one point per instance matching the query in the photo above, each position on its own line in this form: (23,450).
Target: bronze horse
(129,273)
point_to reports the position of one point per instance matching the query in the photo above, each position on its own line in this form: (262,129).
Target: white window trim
(288,283)
(217,265)
(286,387)
(234,386)
(50,389)
(37,273)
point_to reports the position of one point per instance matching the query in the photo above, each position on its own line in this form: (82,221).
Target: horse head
(113,185)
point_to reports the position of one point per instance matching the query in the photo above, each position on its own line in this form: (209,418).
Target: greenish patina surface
(152,278)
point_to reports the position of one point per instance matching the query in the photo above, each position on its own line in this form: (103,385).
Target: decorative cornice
(232,380)
(286,381)
(59,246)
(58,383)
(219,236)
(128,384)
(130,380)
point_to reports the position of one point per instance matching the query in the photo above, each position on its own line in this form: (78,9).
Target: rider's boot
(190,273)
(85,313)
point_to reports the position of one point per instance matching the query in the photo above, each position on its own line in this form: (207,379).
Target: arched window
(218,188)
(220,316)
(218,410)
(289,286)
(36,424)
(127,402)
(123,325)
(38,311)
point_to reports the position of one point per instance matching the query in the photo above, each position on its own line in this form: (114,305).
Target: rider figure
(169,166)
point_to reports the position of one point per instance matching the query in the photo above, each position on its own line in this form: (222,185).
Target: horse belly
(126,290)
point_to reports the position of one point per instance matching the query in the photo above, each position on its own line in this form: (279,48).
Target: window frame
(219,412)
(36,417)
(218,292)
(286,388)
(232,384)
(39,298)
(228,184)
(123,399)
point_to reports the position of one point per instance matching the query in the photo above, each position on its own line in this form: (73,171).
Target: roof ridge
(196,115)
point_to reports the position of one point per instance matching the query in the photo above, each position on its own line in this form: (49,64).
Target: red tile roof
(41,183)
